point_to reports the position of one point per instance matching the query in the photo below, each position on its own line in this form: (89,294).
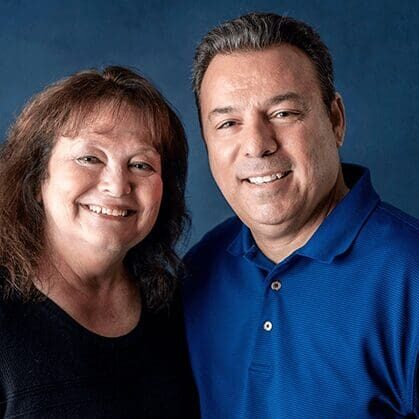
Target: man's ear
(337,117)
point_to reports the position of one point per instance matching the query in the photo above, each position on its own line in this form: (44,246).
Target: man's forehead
(264,77)
(284,57)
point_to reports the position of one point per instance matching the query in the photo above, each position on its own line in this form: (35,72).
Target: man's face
(272,146)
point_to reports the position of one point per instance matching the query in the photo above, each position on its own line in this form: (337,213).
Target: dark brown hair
(260,31)
(63,108)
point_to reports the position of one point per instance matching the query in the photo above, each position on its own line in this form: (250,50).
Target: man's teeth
(107,211)
(258,180)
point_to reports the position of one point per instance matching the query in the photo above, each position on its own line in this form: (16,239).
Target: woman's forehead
(110,117)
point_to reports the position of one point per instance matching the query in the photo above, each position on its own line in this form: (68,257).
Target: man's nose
(259,139)
(115,181)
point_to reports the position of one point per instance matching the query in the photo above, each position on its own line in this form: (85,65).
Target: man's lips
(109,210)
(263,179)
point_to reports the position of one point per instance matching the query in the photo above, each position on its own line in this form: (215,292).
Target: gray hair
(260,31)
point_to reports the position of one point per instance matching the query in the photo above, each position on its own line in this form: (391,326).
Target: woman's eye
(88,160)
(142,166)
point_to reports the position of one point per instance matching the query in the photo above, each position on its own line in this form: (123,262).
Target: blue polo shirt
(330,332)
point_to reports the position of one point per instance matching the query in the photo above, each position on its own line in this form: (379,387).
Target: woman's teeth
(107,211)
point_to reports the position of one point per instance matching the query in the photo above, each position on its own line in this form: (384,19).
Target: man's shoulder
(400,218)
(392,234)
(216,240)
(399,226)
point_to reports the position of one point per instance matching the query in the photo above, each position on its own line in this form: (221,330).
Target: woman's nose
(115,182)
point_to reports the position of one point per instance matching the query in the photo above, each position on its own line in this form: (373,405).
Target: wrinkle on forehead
(105,118)
(241,72)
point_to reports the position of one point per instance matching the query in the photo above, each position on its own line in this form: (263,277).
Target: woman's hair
(64,108)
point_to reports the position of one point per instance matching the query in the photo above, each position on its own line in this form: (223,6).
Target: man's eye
(88,160)
(226,124)
(284,114)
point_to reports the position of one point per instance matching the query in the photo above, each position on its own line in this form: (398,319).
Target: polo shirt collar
(337,232)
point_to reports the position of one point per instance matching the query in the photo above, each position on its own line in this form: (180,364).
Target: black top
(52,367)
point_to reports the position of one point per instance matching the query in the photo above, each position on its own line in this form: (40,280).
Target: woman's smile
(108,211)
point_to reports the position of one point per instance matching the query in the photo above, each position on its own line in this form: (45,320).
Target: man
(306,304)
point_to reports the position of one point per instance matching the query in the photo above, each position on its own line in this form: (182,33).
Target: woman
(92,179)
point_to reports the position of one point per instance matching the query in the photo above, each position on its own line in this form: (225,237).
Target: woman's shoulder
(10,307)
(13,313)
(11,304)
(168,314)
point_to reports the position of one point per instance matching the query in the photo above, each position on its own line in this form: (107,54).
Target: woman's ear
(38,195)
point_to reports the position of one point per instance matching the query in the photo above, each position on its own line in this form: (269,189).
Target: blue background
(375,46)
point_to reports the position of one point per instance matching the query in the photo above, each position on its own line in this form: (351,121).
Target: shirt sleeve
(415,398)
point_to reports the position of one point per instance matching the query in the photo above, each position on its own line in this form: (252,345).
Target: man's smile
(259,180)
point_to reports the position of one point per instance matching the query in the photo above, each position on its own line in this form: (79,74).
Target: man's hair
(260,31)
(64,108)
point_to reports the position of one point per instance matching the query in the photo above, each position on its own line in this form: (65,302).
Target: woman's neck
(97,293)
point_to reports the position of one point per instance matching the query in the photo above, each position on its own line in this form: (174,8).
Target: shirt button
(276,285)
(267,326)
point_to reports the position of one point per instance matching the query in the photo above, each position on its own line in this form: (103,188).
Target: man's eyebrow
(220,111)
(276,100)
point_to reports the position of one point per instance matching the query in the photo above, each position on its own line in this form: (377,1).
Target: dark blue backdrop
(375,46)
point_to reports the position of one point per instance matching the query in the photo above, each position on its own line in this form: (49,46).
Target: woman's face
(104,186)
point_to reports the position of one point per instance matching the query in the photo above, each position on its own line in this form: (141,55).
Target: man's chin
(259,219)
